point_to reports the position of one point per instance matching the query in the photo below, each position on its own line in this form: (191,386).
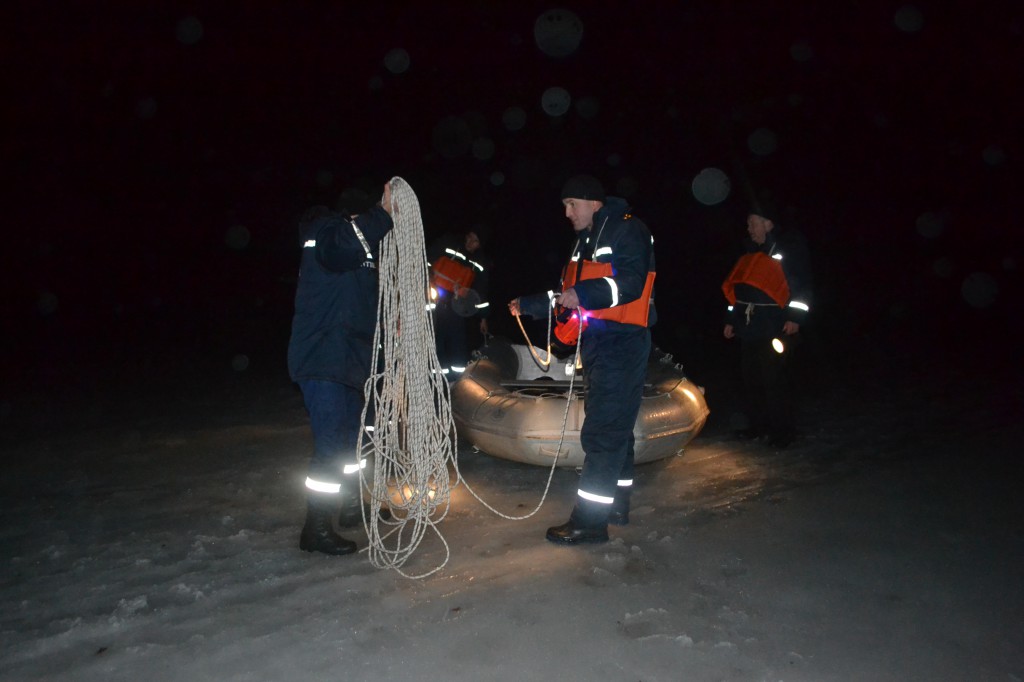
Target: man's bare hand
(568,299)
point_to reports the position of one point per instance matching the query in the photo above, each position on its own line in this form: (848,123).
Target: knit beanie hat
(766,207)
(585,187)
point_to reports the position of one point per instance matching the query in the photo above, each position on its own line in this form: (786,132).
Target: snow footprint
(652,624)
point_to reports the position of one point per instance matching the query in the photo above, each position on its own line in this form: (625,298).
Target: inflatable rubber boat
(509,406)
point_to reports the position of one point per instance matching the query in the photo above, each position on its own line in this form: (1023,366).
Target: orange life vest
(451,274)
(635,312)
(761,271)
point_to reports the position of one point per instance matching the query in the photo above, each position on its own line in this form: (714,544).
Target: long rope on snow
(413,438)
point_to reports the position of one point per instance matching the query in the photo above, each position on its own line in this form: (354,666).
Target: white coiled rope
(413,438)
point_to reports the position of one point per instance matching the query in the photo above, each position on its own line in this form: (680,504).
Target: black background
(137,149)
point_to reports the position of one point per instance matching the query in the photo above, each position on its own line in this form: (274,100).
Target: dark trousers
(335,415)
(450,335)
(614,369)
(767,386)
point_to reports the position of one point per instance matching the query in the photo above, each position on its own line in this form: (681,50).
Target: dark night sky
(144,138)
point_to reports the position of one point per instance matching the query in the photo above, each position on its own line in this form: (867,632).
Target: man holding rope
(329,357)
(609,284)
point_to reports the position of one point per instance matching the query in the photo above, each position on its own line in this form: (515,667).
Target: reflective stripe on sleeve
(615,291)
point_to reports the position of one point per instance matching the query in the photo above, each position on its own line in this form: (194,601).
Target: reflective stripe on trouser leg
(614,365)
(335,415)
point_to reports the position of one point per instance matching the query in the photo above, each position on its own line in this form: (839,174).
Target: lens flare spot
(189,31)
(979,289)
(558,32)
(513,118)
(908,19)
(237,237)
(711,186)
(397,61)
(555,101)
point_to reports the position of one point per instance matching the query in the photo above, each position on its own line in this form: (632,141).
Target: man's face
(472,242)
(580,212)
(758,227)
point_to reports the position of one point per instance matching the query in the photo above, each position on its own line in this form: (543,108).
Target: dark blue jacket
(616,237)
(766,318)
(336,299)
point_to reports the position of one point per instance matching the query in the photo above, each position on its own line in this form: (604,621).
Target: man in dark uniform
(329,356)
(769,294)
(459,278)
(608,283)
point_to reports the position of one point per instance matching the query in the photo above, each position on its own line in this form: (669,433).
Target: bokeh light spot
(711,186)
(614,159)
(931,224)
(513,118)
(762,142)
(240,362)
(189,31)
(943,267)
(558,32)
(237,237)
(993,155)
(145,108)
(397,61)
(46,303)
(979,289)
(555,101)
(497,178)
(801,52)
(483,148)
(909,19)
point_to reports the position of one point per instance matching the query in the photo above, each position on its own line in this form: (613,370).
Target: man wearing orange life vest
(609,283)
(769,292)
(459,280)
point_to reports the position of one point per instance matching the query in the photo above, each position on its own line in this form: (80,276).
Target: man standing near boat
(769,294)
(459,275)
(609,285)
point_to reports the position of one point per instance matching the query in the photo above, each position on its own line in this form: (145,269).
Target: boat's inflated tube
(507,406)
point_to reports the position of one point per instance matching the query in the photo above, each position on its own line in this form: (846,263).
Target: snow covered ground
(156,538)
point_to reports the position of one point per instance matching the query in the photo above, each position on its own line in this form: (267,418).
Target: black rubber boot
(318,534)
(588,523)
(618,515)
